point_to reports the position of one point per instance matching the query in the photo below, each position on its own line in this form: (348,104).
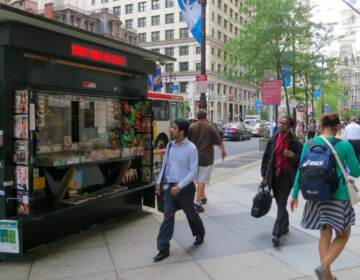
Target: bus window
(173,113)
(180,111)
(160,110)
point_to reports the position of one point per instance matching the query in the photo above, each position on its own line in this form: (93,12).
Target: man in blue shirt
(175,183)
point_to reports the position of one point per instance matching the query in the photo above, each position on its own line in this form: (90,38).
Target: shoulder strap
(344,173)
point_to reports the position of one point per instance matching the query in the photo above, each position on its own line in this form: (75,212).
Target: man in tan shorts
(204,135)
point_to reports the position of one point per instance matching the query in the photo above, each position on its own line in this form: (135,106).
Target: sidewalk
(236,245)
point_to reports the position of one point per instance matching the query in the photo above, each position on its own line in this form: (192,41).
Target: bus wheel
(161,141)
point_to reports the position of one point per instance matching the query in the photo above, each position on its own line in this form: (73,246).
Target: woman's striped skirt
(337,214)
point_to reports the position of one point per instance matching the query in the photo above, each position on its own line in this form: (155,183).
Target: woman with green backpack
(334,214)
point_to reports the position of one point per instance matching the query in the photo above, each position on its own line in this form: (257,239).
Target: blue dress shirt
(181,163)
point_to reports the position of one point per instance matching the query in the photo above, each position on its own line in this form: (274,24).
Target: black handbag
(261,202)
(263,199)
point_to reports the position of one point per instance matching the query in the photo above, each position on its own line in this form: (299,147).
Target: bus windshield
(160,110)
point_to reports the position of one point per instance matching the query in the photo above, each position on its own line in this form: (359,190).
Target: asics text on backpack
(318,177)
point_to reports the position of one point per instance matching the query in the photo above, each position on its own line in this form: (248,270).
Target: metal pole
(203,103)
(322,84)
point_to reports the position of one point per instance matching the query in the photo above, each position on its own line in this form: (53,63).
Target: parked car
(258,128)
(236,131)
(220,128)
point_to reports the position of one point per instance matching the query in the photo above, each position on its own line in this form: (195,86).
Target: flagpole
(203,103)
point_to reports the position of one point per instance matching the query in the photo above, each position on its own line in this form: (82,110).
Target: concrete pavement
(236,246)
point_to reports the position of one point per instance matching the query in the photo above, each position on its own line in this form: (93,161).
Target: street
(238,147)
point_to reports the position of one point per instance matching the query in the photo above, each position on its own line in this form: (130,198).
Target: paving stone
(305,258)
(221,209)
(16,270)
(73,263)
(97,276)
(176,271)
(217,243)
(254,265)
(140,254)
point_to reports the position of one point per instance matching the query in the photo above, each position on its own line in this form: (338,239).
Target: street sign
(175,88)
(301,107)
(286,76)
(201,84)
(258,104)
(327,108)
(317,92)
(271,92)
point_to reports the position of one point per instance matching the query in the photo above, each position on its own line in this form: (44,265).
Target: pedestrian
(299,130)
(334,215)
(204,135)
(312,128)
(278,169)
(175,185)
(352,134)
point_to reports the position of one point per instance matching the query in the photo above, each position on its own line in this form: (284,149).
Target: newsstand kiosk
(75,130)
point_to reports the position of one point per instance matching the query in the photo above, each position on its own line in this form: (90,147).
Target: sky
(330,11)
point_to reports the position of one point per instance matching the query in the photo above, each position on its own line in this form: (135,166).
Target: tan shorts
(204,174)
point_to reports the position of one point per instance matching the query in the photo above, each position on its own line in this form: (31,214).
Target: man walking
(204,136)
(175,183)
(352,134)
(278,169)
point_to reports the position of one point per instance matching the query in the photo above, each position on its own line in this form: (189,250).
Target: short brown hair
(202,114)
(330,120)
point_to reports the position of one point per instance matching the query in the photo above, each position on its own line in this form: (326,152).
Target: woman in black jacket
(278,169)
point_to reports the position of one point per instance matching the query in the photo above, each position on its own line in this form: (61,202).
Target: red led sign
(98,55)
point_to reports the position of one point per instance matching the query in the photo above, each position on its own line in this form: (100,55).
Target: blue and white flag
(155,80)
(191,10)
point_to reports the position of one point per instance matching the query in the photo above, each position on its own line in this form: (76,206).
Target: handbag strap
(343,171)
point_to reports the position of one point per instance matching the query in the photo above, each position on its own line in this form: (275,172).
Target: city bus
(166,109)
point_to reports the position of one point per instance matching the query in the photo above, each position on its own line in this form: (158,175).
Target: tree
(278,34)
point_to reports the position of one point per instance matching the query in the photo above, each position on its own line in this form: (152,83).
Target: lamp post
(322,84)
(203,103)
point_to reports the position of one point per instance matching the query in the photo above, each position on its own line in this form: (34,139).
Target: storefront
(75,130)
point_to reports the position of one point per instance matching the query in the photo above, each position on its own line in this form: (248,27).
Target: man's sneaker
(203,200)
(199,208)
(199,239)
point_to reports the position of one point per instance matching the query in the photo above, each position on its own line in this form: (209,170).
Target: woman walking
(336,215)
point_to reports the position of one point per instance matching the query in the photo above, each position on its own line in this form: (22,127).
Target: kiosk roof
(10,14)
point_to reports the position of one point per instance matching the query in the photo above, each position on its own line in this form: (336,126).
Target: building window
(225,23)
(219,4)
(141,22)
(116,11)
(169,18)
(129,9)
(213,67)
(219,68)
(225,8)
(213,16)
(236,30)
(198,49)
(169,34)
(219,53)
(219,20)
(168,87)
(219,35)
(169,51)
(155,4)
(198,67)
(93,2)
(155,50)
(184,50)
(142,6)
(212,33)
(129,24)
(184,87)
(225,38)
(231,13)
(212,51)
(169,67)
(184,66)
(155,20)
(104,1)
(155,36)
(184,33)
(231,27)
(181,17)
(169,3)
(142,37)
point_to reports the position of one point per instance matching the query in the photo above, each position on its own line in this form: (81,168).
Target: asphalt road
(238,147)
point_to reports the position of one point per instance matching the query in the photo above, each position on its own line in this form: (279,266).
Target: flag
(191,10)
(156,80)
